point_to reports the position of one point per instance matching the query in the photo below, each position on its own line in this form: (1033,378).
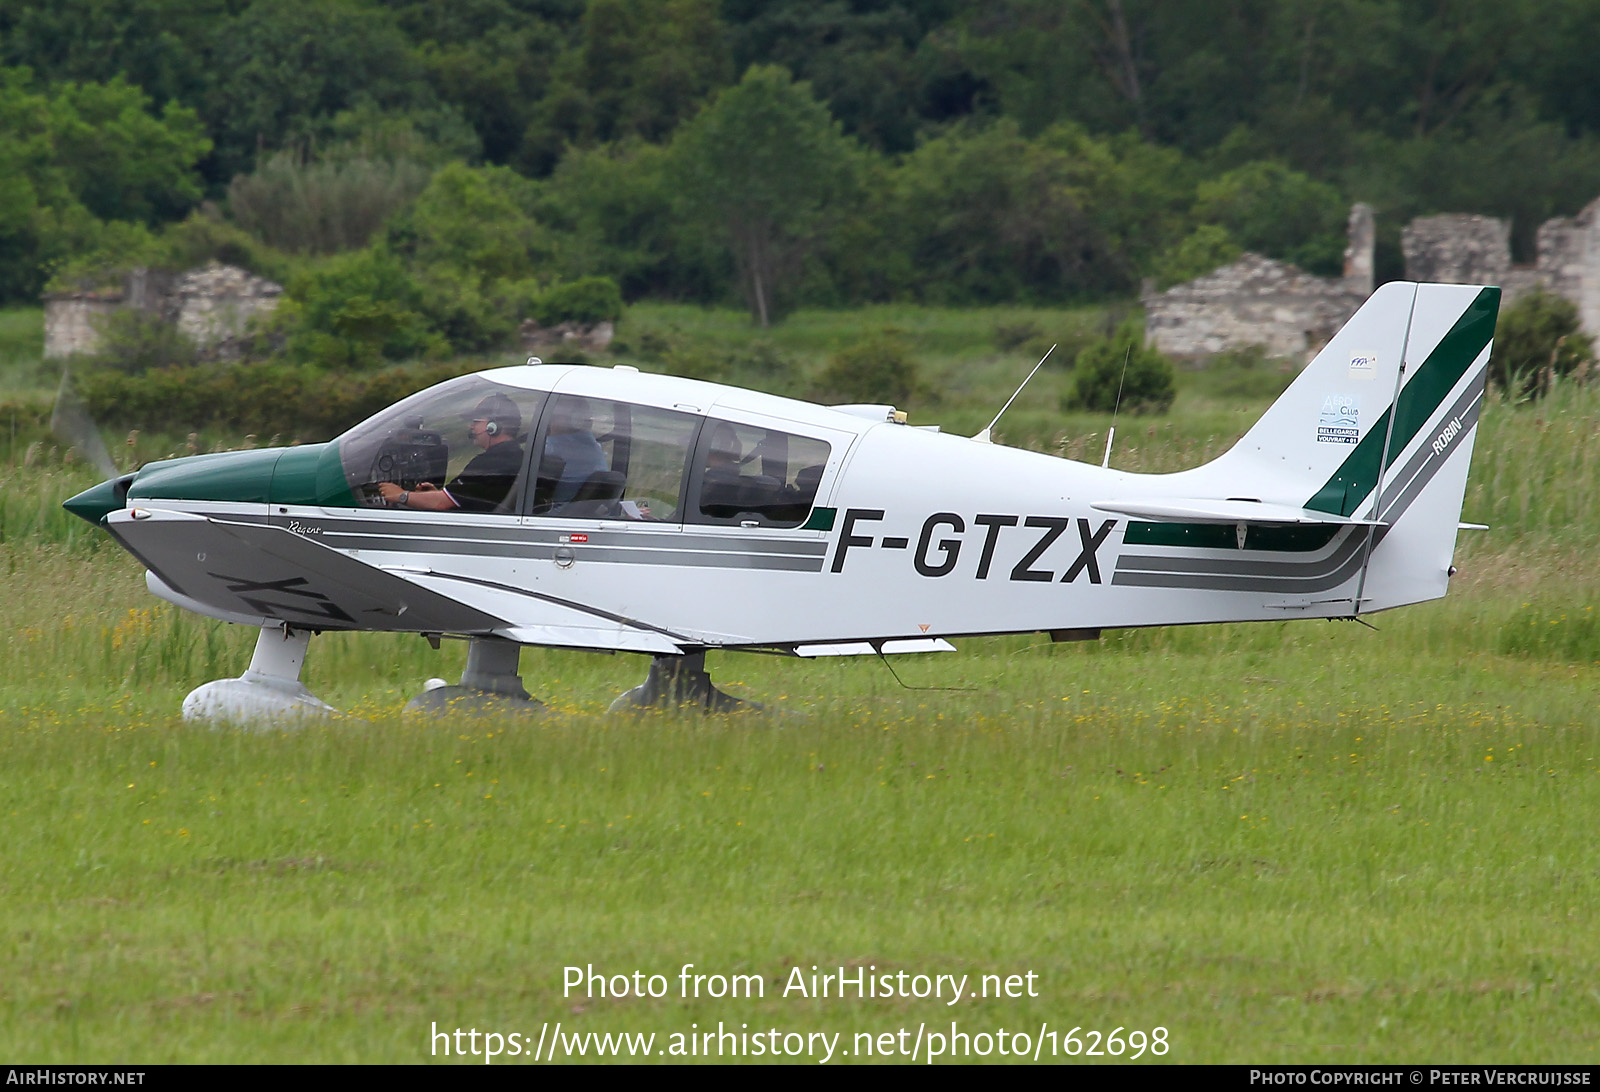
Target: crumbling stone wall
(212,306)
(1457,249)
(1258,301)
(1291,313)
(72,320)
(1477,250)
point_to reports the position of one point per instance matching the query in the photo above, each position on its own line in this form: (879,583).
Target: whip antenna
(1115,407)
(983,437)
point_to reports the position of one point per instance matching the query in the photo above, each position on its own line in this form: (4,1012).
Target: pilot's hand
(390,492)
(424,487)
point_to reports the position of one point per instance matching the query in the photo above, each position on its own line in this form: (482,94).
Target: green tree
(157,45)
(325,206)
(1206,248)
(881,67)
(121,161)
(1537,340)
(472,219)
(989,216)
(640,68)
(284,68)
(1277,211)
(76,151)
(615,210)
(1122,366)
(768,169)
(877,369)
(491,60)
(357,310)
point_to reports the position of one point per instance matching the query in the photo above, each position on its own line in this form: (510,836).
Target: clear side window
(749,474)
(612,460)
(459,446)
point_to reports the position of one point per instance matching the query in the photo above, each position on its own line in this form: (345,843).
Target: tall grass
(1536,468)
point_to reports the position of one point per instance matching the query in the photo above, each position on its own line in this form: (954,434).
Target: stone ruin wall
(1477,250)
(1256,301)
(211,305)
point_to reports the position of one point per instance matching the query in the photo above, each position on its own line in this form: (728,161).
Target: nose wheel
(268,693)
(681,682)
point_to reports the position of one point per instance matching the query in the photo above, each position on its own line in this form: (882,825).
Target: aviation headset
(498,412)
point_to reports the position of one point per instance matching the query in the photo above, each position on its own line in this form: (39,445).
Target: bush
(586,301)
(206,237)
(1207,248)
(292,401)
(1536,342)
(1277,211)
(1146,386)
(324,207)
(358,310)
(135,341)
(876,369)
(1010,336)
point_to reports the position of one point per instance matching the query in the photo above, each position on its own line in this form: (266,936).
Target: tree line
(423,175)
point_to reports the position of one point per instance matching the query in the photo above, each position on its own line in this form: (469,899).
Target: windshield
(466,436)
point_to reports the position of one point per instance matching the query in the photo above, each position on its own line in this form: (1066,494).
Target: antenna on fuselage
(983,437)
(1111,433)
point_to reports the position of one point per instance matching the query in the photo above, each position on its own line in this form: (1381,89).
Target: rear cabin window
(612,460)
(746,474)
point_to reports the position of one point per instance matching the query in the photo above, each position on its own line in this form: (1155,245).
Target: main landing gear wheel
(269,693)
(681,682)
(490,686)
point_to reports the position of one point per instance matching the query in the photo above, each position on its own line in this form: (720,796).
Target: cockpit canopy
(512,451)
(429,439)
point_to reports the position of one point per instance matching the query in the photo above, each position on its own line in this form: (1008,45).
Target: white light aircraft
(604,509)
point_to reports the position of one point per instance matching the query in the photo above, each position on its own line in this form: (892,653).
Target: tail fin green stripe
(1357,476)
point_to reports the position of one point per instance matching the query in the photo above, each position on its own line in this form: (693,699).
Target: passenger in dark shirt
(485,483)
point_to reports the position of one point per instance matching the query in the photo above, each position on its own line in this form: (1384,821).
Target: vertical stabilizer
(1380,426)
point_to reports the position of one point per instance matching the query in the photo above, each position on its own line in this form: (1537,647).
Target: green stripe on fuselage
(1224,536)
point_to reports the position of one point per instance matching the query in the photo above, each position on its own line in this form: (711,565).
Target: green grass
(1261,838)
(1283,842)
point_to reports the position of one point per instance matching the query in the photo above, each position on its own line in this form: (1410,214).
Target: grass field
(1296,842)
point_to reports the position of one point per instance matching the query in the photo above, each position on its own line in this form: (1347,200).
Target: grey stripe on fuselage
(1349,563)
(523,534)
(540,544)
(1327,560)
(1318,574)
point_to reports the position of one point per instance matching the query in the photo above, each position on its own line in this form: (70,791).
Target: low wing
(1185,510)
(257,570)
(258,574)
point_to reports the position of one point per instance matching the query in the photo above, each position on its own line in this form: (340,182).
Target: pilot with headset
(486,482)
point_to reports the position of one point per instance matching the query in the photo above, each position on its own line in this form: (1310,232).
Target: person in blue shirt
(571,440)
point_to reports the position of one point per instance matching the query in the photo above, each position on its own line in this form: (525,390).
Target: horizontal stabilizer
(1165,510)
(254,570)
